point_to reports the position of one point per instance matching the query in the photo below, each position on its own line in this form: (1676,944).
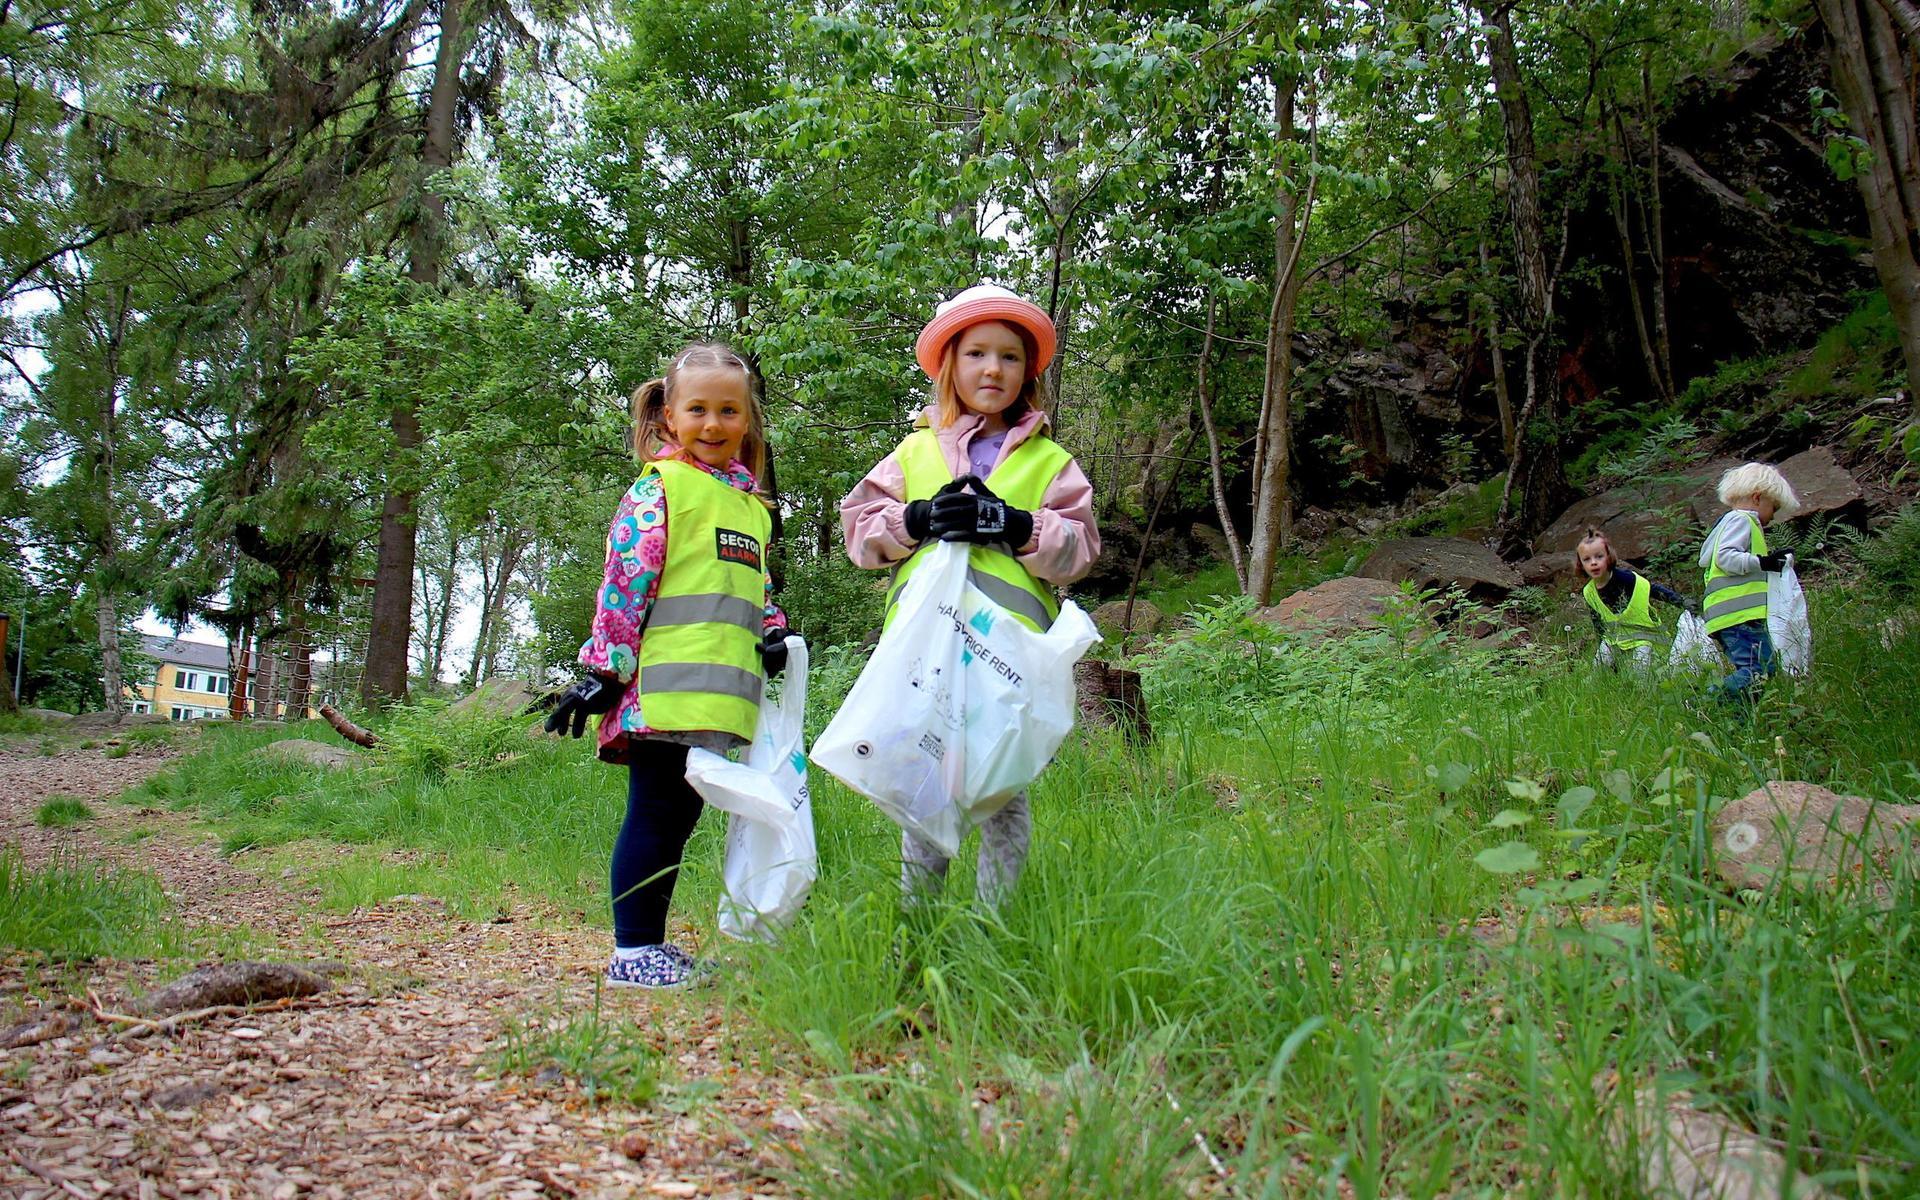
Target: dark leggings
(662,809)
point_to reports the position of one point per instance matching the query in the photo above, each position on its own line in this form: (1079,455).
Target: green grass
(602,1055)
(1393,915)
(71,910)
(62,811)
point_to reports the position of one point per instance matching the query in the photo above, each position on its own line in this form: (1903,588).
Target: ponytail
(650,435)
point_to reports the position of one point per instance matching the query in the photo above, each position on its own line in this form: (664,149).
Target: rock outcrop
(1443,563)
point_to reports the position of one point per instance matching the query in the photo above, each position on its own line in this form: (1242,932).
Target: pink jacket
(1065,539)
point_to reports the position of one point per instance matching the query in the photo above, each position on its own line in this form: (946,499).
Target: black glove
(980,517)
(1774,562)
(919,512)
(592,696)
(773,650)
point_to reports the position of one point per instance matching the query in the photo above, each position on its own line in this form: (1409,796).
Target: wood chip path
(373,1089)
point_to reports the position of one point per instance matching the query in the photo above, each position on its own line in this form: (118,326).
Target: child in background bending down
(712,634)
(1622,604)
(1028,515)
(1737,563)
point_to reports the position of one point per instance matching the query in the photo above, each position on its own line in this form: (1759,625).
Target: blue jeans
(1749,647)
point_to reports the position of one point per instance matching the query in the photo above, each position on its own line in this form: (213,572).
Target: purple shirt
(984,451)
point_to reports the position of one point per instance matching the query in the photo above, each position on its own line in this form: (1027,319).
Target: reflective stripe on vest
(1021,479)
(1634,625)
(1736,599)
(700,650)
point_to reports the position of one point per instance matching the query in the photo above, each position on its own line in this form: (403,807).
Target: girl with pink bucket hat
(981,467)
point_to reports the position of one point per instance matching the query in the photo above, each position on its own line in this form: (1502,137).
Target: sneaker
(654,967)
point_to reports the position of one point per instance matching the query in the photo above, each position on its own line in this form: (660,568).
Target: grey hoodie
(1732,542)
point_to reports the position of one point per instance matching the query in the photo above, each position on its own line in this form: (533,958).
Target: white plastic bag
(1693,648)
(960,707)
(771,859)
(1787,620)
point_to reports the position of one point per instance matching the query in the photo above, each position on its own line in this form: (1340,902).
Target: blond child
(1737,562)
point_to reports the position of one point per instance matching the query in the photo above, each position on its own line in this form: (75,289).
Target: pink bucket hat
(985,302)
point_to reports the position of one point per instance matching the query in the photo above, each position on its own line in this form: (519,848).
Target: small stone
(633,1145)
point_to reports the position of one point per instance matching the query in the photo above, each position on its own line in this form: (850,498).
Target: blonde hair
(1033,394)
(1595,534)
(651,439)
(1759,479)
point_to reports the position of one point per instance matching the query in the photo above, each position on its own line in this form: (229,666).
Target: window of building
(185,680)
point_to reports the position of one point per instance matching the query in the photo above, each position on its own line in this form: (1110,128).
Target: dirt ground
(375,1088)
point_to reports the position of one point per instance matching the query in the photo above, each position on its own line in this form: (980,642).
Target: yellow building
(191,682)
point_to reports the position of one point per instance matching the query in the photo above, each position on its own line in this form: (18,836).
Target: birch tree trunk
(1874,69)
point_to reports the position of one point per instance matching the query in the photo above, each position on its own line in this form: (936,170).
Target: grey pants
(1003,852)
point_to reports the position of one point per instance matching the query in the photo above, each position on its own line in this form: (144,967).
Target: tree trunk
(1535,478)
(106,611)
(1203,392)
(489,584)
(1617,194)
(1656,218)
(1874,76)
(106,571)
(440,620)
(1272,504)
(513,546)
(8,704)
(385,677)
(1502,394)
(237,672)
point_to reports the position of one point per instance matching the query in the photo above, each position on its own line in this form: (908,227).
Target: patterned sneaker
(657,967)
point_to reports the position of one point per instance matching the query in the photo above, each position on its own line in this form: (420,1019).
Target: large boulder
(1342,605)
(1443,563)
(310,753)
(1819,482)
(495,698)
(1802,828)
(51,716)
(1111,618)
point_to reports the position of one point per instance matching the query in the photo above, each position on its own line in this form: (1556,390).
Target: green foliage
(1890,556)
(78,911)
(62,811)
(1859,358)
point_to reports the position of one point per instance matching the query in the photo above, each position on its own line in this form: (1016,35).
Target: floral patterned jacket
(636,549)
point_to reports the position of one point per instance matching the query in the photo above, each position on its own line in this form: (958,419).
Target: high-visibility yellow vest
(1021,479)
(700,651)
(1736,599)
(1633,626)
